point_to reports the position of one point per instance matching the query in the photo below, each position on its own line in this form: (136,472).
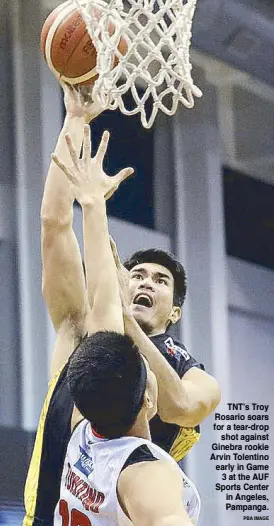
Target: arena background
(204,190)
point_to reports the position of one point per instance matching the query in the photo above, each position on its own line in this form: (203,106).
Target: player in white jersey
(112,473)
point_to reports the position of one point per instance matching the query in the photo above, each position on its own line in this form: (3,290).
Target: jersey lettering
(77,518)
(91,498)
(64,512)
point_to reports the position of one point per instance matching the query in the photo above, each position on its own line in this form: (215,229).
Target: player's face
(152,390)
(151,288)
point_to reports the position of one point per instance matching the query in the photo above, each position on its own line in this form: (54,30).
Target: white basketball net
(155,67)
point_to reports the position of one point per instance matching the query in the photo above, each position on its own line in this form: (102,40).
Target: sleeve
(176,354)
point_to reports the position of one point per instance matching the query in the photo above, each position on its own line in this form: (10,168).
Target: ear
(175,315)
(147,400)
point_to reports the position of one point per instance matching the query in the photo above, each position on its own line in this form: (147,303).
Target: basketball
(67,46)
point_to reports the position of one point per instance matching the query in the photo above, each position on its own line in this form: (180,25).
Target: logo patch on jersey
(175,350)
(85,463)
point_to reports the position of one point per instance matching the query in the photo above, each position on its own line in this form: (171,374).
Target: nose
(146,284)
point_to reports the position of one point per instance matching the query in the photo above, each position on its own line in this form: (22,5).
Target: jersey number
(76,518)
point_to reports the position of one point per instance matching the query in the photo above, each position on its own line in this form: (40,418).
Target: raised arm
(63,283)
(90,185)
(185,402)
(150,493)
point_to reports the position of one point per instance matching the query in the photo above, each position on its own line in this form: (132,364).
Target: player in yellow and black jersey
(155,292)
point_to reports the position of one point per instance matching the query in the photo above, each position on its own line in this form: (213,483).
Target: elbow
(212,397)
(181,414)
(184,415)
(205,406)
(175,414)
(193,413)
(47,216)
(191,416)
(53,218)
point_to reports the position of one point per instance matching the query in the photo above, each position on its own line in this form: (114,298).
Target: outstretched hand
(86,174)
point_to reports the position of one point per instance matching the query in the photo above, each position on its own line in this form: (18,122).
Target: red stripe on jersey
(96,434)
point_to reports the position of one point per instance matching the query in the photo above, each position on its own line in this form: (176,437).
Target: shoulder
(162,466)
(168,344)
(142,491)
(176,353)
(142,475)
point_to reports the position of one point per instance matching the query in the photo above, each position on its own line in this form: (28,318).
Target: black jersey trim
(140,454)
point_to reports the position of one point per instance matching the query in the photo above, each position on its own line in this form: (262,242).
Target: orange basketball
(67,46)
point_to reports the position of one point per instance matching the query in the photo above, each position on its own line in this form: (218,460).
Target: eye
(161,281)
(137,276)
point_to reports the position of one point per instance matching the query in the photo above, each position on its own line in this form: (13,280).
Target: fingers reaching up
(87,145)
(103,146)
(86,174)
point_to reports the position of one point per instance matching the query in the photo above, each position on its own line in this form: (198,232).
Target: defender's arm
(106,313)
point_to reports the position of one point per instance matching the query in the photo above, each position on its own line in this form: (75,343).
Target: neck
(148,330)
(156,332)
(146,327)
(140,428)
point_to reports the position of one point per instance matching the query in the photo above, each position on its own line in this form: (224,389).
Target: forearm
(178,402)
(101,276)
(171,395)
(57,203)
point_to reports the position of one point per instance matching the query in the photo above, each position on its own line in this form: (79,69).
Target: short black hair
(167,260)
(107,380)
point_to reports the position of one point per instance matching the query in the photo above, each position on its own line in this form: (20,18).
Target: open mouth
(144,300)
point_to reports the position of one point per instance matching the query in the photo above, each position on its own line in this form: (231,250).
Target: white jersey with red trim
(92,466)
